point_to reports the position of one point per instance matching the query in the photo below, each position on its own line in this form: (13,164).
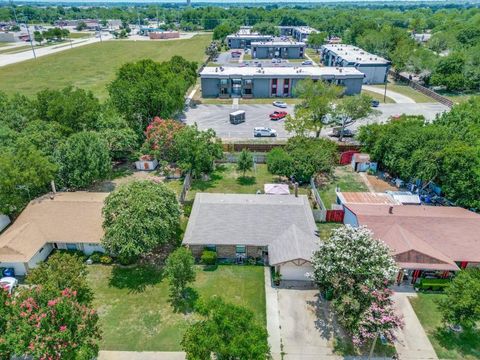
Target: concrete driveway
(217,118)
(296,324)
(304,333)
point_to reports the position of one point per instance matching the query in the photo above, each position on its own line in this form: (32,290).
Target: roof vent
(390,210)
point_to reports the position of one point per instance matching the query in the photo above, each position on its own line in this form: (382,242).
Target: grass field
(93,66)
(378,97)
(346,179)
(408,91)
(79,35)
(448,345)
(135,313)
(325,229)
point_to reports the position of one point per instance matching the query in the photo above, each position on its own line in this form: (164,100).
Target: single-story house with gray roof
(279,229)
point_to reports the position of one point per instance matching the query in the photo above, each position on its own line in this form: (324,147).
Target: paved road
(395,96)
(217,118)
(7,59)
(413,343)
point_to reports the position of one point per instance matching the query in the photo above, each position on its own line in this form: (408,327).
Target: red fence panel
(346,156)
(335,216)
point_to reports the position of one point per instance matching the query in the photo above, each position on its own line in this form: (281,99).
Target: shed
(361,162)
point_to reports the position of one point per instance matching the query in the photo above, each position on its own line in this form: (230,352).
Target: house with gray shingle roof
(278,229)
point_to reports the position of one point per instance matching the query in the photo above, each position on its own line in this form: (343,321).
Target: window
(240,249)
(211,248)
(72,247)
(273,89)
(39,251)
(286,86)
(224,82)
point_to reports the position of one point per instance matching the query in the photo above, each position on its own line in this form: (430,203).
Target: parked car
(375,103)
(307,62)
(276,61)
(8,283)
(346,133)
(280,104)
(264,132)
(277,115)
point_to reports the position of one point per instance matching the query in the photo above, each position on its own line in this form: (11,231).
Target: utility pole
(31,40)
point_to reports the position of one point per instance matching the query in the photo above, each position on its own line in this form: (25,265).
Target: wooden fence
(266,147)
(186,186)
(426,91)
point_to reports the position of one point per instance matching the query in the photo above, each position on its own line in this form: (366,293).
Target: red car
(277,115)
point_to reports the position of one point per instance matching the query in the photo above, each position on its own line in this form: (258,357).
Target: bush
(80,254)
(209,257)
(95,256)
(106,260)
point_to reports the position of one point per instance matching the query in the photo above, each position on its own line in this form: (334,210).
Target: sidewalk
(144,355)
(397,97)
(412,343)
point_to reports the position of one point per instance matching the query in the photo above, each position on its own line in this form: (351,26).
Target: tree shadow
(210,267)
(187,303)
(202,185)
(246,180)
(466,342)
(135,278)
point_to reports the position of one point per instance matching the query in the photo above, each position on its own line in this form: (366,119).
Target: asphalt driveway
(217,118)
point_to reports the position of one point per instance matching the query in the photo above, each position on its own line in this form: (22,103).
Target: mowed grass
(408,91)
(325,229)
(447,345)
(226,179)
(379,97)
(346,179)
(134,309)
(93,66)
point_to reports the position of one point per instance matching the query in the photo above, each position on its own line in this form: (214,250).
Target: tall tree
(180,271)
(138,217)
(166,82)
(83,159)
(197,150)
(318,99)
(25,173)
(225,331)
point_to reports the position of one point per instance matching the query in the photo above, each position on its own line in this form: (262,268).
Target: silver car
(264,132)
(280,104)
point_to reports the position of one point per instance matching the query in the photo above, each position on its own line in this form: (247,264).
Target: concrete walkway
(397,97)
(273,316)
(144,355)
(412,343)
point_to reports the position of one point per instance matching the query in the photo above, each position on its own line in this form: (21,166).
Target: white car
(307,62)
(8,283)
(264,132)
(280,104)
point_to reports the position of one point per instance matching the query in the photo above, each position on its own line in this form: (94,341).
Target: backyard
(448,345)
(226,179)
(134,309)
(93,66)
(346,179)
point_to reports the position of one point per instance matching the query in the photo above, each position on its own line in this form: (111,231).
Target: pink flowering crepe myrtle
(56,328)
(379,319)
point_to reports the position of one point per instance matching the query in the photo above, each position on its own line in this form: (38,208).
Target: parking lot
(217,117)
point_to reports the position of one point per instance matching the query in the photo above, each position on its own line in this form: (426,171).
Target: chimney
(390,210)
(296,189)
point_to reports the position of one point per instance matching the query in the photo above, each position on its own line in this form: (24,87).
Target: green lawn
(290,101)
(93,66)
(135,313)
(458,97)
(346,179)
(325,229)
(447,345)
(226,179)
(15,49)
(79,35)
(378,97)
(408,91)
